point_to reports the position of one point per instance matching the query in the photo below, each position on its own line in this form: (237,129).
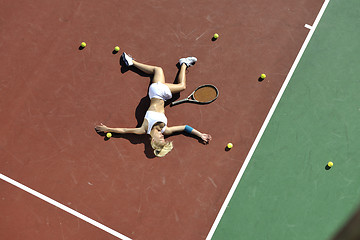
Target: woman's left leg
(157,72)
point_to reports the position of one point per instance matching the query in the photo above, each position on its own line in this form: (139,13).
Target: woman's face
(158,138)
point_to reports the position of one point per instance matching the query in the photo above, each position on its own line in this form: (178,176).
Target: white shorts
(160,91)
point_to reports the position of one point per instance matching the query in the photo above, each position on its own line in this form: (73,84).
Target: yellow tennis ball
(117,48)
(229,145)
(108,135)
(263,76)
(83,44)
(216,35)
(330,164)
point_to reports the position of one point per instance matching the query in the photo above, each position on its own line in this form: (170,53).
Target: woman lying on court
(155,121)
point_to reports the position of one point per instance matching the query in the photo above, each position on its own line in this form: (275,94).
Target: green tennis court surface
(286,192)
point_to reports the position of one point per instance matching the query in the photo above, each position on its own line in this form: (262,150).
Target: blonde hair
(160,150)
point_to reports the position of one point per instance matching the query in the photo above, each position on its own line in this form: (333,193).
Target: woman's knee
(183,86)
(158,70)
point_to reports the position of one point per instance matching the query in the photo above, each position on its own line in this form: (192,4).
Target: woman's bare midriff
(157,105)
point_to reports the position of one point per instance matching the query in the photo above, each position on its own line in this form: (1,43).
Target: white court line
(268,117)
(63,207)
(308,26)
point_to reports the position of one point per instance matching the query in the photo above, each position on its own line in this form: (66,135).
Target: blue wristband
(188,129)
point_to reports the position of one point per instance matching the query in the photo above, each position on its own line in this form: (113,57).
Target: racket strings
(205,94)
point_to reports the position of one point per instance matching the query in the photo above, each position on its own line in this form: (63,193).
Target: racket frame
(191,98)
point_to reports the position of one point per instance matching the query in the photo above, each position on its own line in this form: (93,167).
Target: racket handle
(180,101)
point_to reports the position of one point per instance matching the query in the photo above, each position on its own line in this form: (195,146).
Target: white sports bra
(154,117)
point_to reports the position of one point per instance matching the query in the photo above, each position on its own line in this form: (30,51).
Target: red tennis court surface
(53,94)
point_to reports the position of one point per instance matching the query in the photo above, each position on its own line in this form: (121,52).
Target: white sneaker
(127,59)
(189,61)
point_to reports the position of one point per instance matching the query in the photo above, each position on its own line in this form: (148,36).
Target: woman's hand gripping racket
(203,95)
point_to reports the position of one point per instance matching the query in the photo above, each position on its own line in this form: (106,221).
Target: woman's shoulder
(145,125)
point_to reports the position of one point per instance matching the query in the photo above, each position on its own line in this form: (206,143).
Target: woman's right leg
(181,79)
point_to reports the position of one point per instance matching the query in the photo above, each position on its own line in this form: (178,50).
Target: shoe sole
(125,60)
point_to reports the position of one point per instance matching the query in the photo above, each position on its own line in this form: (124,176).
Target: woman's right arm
(204,136)
(105,129)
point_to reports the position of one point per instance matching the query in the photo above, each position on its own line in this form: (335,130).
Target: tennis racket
(204,94)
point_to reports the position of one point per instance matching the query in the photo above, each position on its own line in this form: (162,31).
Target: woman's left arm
(186,128)
(105,129)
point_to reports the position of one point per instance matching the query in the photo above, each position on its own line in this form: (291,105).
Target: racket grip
(180,101)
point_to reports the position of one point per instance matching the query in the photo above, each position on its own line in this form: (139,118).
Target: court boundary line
(63,207)
(266,122)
